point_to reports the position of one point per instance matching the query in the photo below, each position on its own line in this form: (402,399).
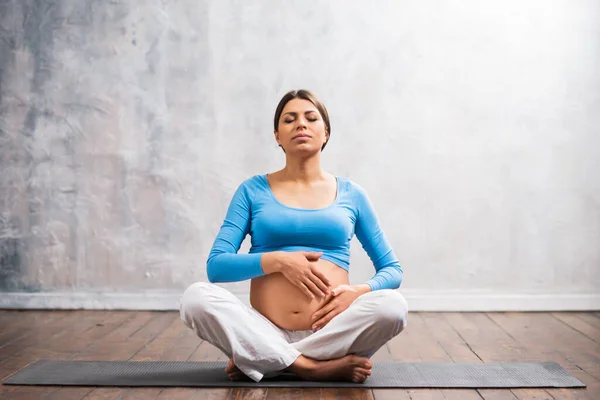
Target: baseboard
(501,302)
(418,300)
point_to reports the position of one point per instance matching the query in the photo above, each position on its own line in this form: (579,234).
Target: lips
(301,136)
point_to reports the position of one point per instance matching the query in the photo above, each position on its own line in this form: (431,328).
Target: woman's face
(301,127)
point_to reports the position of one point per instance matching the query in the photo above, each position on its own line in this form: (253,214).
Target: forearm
(228,267)
(389,277)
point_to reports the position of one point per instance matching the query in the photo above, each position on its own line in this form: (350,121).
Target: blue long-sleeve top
(273,226)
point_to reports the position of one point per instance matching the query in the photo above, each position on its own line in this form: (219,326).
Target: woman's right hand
(300,269)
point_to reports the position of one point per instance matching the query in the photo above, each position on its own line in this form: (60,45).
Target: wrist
(271,262)
(362,289)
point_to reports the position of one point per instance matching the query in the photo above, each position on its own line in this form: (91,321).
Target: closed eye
(310,116)
(289,121)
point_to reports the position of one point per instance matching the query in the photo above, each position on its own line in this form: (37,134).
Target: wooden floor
(571,339)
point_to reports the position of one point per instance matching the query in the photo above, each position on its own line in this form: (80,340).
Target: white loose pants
(259,347)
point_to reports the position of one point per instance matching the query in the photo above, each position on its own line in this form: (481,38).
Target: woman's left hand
(337,301)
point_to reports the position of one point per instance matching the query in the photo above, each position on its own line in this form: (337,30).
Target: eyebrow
(295,113)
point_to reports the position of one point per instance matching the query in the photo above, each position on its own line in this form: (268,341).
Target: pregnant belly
(284,304)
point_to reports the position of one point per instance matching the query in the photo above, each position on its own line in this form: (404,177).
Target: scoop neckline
(274,198)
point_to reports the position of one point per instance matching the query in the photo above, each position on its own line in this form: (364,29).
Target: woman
(304,317)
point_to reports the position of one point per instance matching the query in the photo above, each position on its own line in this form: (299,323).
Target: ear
(277,137)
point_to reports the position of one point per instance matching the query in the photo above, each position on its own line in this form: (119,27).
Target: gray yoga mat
(211,374)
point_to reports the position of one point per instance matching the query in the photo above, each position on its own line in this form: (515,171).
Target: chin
(305,151)
(306,147)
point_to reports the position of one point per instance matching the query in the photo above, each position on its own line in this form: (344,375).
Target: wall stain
(10,263)
(38,40)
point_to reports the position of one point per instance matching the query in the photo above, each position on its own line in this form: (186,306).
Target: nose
(301,122)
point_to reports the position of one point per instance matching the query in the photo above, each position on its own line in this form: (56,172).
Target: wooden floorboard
(570,338)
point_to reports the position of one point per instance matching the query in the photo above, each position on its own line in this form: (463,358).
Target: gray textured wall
(125,127)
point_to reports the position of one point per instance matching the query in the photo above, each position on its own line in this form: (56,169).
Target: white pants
(258,347)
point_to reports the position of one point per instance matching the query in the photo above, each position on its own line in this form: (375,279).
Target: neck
(303,170)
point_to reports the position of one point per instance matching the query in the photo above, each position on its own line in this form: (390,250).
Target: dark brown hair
(305,95)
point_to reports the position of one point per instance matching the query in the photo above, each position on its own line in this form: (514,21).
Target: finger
(324,310)
(336,291)
(313,288)
(322,277)
(319,284)
(325,320)
(313,255)
(320,280)
(306,290)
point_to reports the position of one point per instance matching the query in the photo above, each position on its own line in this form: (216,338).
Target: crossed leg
(257,347)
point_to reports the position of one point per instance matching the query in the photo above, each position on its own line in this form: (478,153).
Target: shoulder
(248,188)
(358,199)
(253,182)
(355,194)
(352,188)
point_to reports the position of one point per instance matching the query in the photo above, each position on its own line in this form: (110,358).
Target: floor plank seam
(30,333)
(500,326)
(573,328)
(466,343)
(587,373)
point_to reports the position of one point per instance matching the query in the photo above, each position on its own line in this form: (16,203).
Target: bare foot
(234,373)
(348,368)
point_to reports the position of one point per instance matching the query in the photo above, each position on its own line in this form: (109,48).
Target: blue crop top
(274,226)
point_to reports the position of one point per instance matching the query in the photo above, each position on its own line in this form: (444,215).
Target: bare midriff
(284,304)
